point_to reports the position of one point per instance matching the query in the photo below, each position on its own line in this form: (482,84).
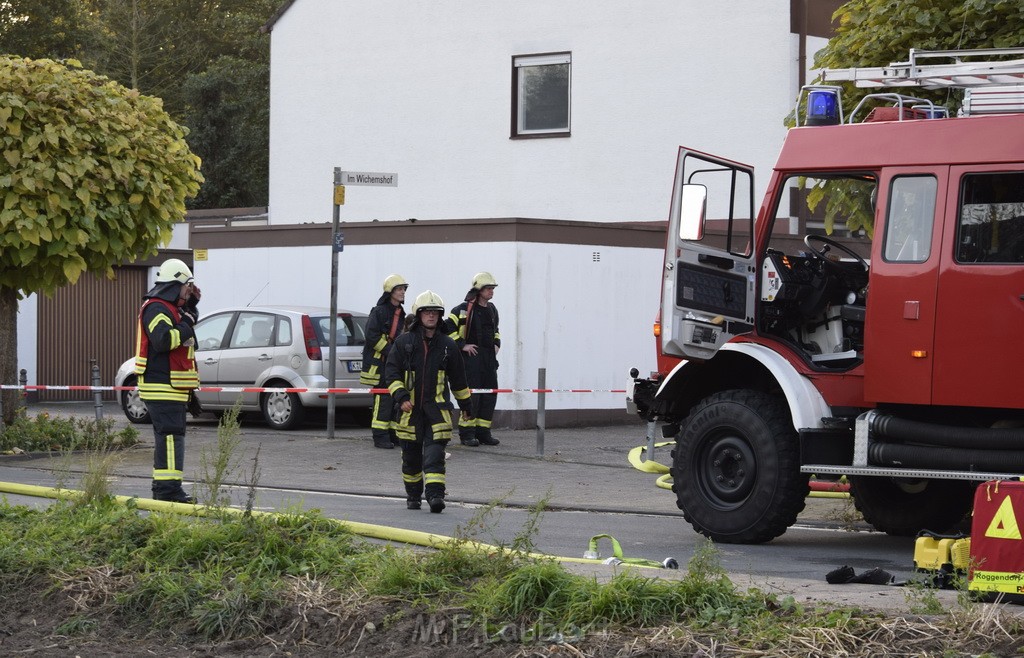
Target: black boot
(485,438)
(436,504)
(382,439)
(467,436)
(413,494)
(173,495)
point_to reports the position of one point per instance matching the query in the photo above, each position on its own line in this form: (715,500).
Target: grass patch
(45,433)
(304,583)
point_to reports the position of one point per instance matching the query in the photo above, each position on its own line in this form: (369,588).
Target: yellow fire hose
(387,533)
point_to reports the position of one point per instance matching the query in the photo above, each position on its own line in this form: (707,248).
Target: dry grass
(311,616)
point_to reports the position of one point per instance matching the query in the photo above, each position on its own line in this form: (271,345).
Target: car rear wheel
(132,405)
(282,411)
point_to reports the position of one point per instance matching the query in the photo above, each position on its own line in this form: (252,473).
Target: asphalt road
(584,475)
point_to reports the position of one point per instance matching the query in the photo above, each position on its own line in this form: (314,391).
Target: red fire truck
(868,321)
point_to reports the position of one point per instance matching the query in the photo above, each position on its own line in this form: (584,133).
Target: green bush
(53,433)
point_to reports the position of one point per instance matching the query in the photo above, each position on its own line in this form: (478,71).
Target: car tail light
(309,339)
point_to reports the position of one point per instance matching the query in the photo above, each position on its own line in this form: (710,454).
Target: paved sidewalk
(581,468)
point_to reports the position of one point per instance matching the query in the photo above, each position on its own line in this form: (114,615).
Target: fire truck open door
(708,279)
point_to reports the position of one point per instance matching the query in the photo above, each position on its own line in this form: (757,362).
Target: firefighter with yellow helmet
(385,322)
(421,367)
(166,369)
(474,327)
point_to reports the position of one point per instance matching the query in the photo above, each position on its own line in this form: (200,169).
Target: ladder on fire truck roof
(960,73)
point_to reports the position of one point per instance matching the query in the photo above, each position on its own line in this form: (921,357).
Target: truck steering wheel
(829,242)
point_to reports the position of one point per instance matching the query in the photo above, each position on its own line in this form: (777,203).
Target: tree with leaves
(57,29)
(206,59)
(92,174)
(874,33)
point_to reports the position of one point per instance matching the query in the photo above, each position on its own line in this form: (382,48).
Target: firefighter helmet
(428,300)
(174,271)
(483,279)
(393,281)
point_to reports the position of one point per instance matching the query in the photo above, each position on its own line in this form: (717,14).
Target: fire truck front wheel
(736,468)
(903,508)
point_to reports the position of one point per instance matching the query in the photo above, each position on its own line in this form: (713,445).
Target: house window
(540,95)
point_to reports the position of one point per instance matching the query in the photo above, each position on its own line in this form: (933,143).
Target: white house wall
(27,323)
(583,313)
(423,89)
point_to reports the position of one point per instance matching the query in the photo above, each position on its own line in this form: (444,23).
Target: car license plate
(355,366)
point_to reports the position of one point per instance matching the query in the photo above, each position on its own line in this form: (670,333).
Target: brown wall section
(611,234)
(93,319)
(816,14)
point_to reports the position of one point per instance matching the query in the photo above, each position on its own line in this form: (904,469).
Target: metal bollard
(541,380)
(650,441)
(97,395)
(23,382)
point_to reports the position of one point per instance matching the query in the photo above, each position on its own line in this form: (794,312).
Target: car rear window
(351,329)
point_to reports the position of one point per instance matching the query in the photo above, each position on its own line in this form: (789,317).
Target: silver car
(269,347)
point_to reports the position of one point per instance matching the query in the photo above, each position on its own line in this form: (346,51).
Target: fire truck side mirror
(692,207)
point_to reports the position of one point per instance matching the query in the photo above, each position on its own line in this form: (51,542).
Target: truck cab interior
(813,280)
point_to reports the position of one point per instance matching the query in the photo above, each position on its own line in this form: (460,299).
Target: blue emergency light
(933,111)
(823,107)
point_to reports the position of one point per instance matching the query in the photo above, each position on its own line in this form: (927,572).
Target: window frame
(517,113)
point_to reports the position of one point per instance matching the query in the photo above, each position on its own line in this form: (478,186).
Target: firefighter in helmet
(474,327)
(385,323)
(166,369)
(422,365)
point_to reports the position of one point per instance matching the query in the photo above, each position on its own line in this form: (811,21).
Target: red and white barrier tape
(258,389)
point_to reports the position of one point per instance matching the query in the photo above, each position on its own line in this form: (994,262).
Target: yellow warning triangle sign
(1004,523)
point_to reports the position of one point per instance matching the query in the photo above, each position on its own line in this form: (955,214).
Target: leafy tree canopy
(93,174)
(876,32)
(172,49)
(873,33)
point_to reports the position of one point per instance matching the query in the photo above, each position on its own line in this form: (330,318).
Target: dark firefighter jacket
(420,370)
(475,325)
(165,353)
(382,327)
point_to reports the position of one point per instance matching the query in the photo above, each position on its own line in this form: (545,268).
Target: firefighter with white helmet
(166,369)
(385,322)
(474,327)
(421,367)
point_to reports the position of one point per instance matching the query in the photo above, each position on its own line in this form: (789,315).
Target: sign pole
(336,240)
(376,179)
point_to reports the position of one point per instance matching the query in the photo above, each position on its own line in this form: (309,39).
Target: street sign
(380,179)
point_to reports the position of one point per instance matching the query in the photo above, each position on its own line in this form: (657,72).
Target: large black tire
(134,408)
(736,468)
(282,411)
(903,508)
